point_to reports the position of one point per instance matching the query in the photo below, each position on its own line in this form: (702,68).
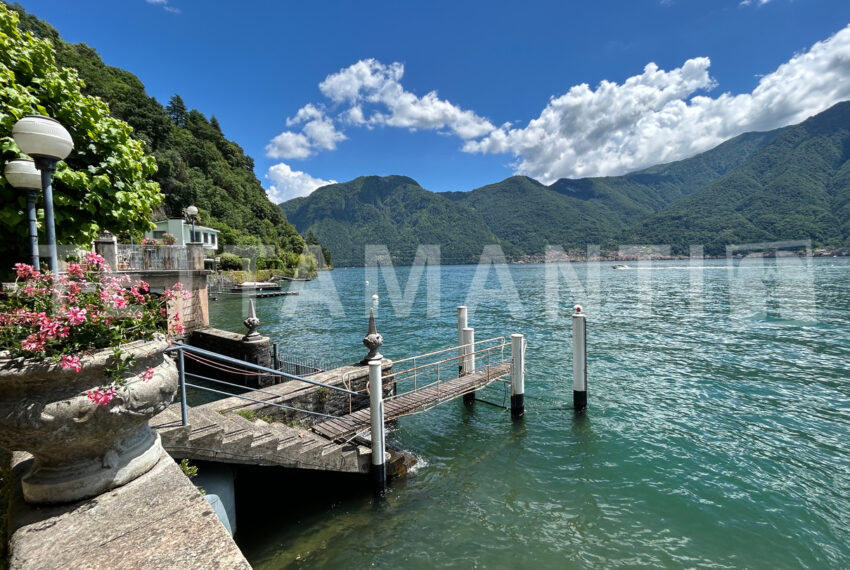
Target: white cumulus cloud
(289,145)
(287,184)
(378,85)
(661,116)
(318,132)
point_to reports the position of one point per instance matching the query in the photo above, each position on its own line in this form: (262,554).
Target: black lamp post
(23,175)
(48,142)
(192,213)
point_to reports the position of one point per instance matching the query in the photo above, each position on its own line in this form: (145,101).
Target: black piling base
(579,400)
(469,399)
(379,477)
(517,405)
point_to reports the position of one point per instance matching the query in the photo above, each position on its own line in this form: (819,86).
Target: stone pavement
(158,521)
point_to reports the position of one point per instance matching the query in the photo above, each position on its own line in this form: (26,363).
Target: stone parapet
(160,520)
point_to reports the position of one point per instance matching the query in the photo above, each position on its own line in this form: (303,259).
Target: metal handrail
(495,338)
(250,399)
(180,348)
(251,366)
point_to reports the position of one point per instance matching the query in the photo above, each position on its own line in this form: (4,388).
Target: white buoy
(579,359)
(517,375)
(367,282)
(375,297)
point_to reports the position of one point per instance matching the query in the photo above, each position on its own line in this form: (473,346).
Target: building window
(157,234)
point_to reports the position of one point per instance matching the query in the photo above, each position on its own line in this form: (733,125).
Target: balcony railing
(152,257)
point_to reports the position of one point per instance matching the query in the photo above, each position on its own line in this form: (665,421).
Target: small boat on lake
(297,278)
(620,266)
(256,286)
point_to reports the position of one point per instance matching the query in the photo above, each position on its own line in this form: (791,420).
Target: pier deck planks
(350,424)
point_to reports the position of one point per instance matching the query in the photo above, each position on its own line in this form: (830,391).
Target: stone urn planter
(82,449)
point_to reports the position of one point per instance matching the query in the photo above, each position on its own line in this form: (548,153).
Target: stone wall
(195,311)
(230,344)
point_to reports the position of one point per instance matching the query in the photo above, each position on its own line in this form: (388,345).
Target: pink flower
(177,328)
(33,343)
(75,270)
(95,259)
(70,362)
(101,397)
(76,316)
(186,295)
(23,270)
(147,374)
(178,286)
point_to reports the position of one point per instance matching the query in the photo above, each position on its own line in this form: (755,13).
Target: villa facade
(182,230)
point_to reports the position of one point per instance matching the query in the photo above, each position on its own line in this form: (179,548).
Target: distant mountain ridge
(789,183)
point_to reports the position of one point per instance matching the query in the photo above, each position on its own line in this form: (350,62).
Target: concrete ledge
(160,520)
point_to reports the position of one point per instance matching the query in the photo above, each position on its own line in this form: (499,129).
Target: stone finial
(252,322)
(372,340)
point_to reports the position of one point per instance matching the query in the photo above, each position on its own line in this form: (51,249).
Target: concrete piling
(462,323)
(579,359)
(376,410)
(469,359)
(517,375)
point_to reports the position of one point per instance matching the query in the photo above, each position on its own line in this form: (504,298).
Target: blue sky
(461,94)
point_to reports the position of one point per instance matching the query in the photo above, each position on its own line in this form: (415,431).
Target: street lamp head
(42,137)
(22,174)
(191,211)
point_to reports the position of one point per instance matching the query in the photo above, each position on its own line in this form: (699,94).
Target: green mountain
(394,211)
(519,213)
(197,163)
(796,187)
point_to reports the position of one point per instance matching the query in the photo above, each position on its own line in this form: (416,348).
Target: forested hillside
(790,183)
(197,164)
(797,187)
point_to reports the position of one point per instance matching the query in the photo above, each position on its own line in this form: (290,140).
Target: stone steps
(230,438)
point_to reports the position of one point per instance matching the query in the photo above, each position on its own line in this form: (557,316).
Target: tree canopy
(105,182)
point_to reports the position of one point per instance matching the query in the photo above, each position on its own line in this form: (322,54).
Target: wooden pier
(429,396)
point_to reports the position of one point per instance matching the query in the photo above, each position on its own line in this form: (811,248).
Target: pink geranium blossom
(76,316)
(147,374)
(70,362)
(101,397)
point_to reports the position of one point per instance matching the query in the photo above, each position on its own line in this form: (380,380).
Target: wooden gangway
(419,397)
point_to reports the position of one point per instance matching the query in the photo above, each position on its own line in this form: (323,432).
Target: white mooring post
(469,359)
(517,375)
(461,324)
(376,410)
(579,359)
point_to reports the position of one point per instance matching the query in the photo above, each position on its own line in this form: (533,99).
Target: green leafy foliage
(197,164)
(230,262)
(105,182)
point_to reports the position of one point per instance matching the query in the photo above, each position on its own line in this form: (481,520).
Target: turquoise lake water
(717,432)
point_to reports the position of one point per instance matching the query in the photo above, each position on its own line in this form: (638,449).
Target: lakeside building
(182,231)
